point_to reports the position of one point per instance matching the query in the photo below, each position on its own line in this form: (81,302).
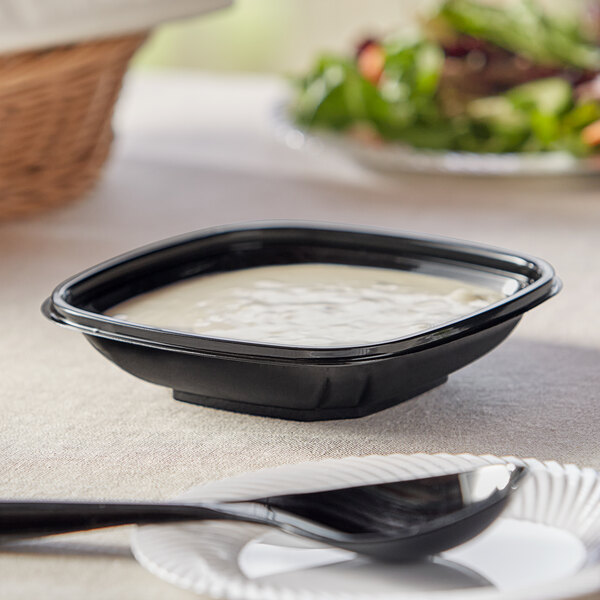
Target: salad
(476,78)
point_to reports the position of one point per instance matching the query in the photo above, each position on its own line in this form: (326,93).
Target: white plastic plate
(545,546)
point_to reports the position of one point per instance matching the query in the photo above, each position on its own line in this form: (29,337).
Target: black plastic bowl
(294,382)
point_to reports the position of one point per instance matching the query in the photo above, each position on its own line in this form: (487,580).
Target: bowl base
(308,414)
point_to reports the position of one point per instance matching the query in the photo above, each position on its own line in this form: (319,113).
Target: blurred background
(273,36)
(284,37)
(67,57)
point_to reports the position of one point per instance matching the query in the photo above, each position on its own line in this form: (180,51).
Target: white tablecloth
(195,151)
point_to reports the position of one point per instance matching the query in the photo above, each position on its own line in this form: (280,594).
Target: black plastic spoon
(397,521)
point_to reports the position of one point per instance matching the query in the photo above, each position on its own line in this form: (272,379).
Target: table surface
(199,150)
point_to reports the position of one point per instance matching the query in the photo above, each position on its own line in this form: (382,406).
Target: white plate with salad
(481,88)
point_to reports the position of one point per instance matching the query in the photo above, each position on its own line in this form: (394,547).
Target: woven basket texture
(55,121)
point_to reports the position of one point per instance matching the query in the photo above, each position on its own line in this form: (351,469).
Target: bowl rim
(59,308)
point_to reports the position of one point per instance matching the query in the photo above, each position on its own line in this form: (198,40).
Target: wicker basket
(55,121)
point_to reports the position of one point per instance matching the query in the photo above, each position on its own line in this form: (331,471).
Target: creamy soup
(307,304)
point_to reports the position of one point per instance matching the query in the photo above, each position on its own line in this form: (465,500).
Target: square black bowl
(294,382)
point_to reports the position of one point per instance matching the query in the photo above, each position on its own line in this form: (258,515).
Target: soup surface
(307,304)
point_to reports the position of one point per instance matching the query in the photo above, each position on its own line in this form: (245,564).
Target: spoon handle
(23,519)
